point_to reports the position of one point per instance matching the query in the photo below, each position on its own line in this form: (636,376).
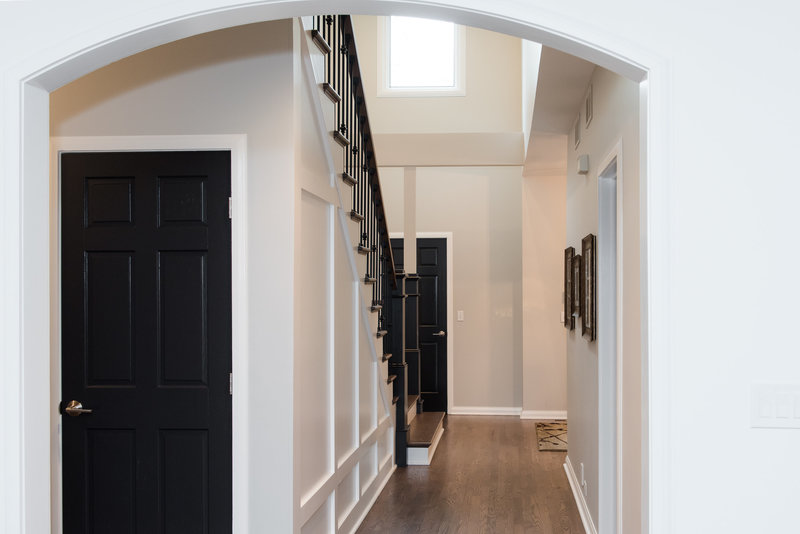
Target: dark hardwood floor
(486,476)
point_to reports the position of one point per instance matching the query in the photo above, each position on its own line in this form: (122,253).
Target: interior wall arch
(109,33)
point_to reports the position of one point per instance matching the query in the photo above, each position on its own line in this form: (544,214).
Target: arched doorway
(25,187)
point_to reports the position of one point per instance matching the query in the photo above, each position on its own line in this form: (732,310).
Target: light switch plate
(460,315)
(775,406)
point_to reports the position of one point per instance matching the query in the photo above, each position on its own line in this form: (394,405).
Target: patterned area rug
(552,436)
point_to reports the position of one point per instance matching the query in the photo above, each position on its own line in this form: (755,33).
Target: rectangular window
(420,57)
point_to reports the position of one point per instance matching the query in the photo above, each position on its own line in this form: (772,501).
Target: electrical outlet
(584,487)
(775,406)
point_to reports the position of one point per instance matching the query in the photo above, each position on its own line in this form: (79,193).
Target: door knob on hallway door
(75,408)
(440,333)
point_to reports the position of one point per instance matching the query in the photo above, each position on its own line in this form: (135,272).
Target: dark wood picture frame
(569,320)
(576,285)
(589,292)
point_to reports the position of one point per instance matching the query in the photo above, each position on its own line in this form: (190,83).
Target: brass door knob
(75,408)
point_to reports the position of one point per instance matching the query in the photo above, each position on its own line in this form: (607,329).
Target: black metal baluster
(328,59)
(337,67)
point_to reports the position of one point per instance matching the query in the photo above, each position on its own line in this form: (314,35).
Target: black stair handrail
(354,134)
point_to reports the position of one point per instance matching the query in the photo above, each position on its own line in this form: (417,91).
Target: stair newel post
(398,366)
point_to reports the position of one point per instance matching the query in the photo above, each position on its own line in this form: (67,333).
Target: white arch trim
(78,38)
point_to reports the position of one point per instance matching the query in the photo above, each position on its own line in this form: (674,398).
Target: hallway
(487,476)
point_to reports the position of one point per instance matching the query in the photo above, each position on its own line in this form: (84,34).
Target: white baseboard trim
(543,414)
(583,508)
(372,499)
(484,410)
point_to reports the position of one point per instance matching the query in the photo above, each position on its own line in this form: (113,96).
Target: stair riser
(424,455)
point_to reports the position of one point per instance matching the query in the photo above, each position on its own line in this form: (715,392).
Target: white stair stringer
(350,230)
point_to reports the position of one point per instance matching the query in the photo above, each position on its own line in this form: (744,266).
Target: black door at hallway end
(432,272)
(146,342)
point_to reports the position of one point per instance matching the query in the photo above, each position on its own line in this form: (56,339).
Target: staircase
(418,432)
(385,290)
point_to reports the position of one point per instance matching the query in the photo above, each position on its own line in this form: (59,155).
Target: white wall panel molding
(328,486)
(361,443)
(362,508)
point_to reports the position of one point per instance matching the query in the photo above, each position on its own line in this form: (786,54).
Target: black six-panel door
(432,289)
(432,271)
(146,342)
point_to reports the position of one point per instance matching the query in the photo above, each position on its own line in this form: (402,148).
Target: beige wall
(481,206)
(493,88)
(544,359)
(615,118)
(484,127)
(458,145)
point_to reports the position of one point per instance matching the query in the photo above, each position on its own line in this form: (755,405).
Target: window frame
(384,65)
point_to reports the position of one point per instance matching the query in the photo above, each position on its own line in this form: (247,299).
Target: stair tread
(412,400)
(395,399)
(348,178)
(423,428)
(331,93)
(320,41)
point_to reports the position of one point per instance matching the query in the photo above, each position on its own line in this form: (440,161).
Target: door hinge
(230,384)
(230,208)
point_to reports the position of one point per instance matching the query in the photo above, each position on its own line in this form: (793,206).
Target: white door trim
(611,480)
(237,144)
(450,330)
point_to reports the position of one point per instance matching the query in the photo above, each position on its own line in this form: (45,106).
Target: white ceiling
(563,80)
